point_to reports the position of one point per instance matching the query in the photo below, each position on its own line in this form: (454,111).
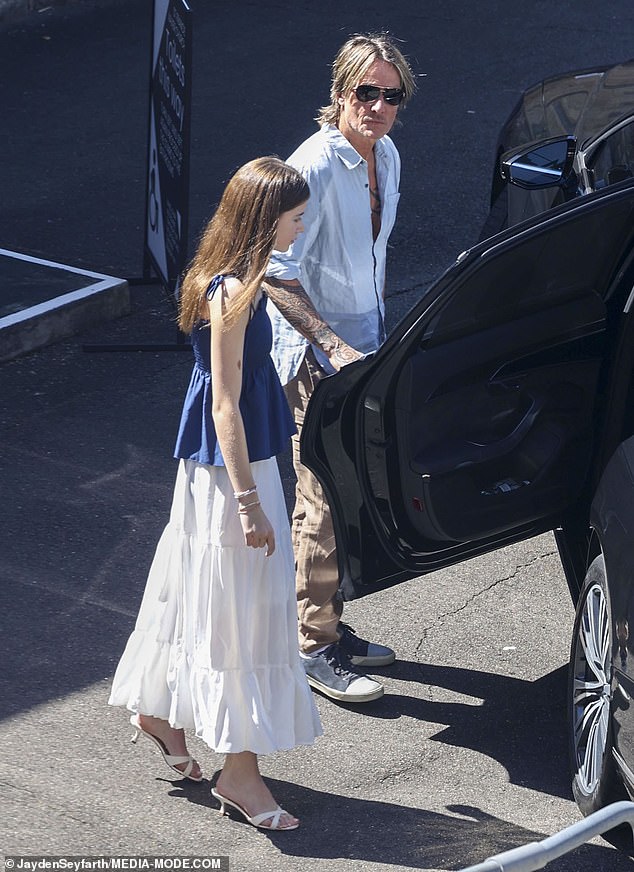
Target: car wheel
(595,781)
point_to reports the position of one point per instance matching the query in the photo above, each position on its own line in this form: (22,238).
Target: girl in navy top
(215,645)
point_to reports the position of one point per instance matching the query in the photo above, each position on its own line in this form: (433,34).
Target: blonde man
(337,269)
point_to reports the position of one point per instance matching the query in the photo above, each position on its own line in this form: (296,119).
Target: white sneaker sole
(342,696)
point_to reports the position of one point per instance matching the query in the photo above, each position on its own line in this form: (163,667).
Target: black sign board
(168,155)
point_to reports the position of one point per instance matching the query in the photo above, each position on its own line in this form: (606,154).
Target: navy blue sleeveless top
(268,422)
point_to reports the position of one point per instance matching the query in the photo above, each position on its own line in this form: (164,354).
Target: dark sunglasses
(371,93)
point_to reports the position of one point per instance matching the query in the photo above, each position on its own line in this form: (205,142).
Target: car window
(562,111)
(613,160)
(544,271)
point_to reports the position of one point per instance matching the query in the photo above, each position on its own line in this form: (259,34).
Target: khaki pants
(317,576)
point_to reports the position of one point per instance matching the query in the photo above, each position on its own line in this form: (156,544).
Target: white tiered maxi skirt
(215,644)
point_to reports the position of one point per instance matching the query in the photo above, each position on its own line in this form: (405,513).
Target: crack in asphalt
(450,613)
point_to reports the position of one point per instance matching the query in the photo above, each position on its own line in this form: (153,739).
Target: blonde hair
(239,238)
(353,60)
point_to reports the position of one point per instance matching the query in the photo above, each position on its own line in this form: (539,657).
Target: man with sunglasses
(337,269)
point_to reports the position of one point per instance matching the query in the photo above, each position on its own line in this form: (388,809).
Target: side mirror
(546,164)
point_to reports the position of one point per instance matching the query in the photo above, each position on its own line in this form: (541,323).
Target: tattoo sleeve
(296,306)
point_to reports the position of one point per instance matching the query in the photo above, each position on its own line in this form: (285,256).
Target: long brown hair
(353,59)
(239,238)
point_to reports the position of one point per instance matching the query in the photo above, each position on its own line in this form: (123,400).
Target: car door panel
(474,425)
(493,438)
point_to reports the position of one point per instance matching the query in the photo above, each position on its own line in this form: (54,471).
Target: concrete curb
(94,299)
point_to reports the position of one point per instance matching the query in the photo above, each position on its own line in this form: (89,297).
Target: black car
(568,136)
(501,407)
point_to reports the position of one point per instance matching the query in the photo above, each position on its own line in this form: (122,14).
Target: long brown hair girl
(240,238)
(215,644)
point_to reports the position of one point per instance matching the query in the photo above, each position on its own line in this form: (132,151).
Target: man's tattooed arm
(295,304)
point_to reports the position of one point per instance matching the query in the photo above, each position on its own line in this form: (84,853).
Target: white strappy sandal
(172,760)
(258,819)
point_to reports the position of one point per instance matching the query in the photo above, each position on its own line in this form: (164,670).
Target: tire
(595,782)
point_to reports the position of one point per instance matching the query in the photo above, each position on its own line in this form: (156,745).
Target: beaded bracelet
(239,494)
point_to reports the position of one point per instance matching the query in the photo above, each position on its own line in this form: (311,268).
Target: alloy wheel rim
(591,695)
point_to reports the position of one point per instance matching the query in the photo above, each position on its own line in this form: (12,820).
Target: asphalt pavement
(466,754)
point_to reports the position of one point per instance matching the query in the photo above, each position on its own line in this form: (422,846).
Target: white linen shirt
(337,261)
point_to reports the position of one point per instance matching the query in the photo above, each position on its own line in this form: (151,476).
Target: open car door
(476,423)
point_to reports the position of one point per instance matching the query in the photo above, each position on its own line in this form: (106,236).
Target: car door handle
(509,440)
(467,452)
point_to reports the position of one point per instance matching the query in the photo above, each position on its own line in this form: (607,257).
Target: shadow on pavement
(335,827)
(520,724)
